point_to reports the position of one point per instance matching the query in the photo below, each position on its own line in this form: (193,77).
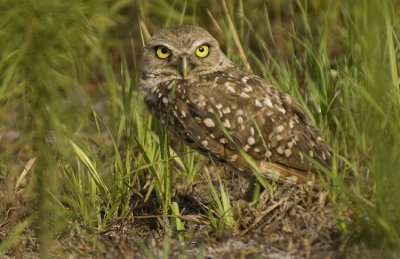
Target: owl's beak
(183,67)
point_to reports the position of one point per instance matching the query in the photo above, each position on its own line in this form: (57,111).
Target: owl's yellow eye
(202,51)
(163,52)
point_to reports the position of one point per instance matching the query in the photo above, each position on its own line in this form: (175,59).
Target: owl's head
(182,52)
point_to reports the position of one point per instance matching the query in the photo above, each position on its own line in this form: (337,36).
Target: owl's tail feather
(281,173)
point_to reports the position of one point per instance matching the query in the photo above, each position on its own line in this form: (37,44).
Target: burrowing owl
(223,111)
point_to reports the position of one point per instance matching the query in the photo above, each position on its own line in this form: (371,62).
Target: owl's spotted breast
(221,110)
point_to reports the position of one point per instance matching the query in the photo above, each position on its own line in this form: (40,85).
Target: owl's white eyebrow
(151,46)
(198,43)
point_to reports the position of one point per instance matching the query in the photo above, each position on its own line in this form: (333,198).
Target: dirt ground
(292,223)
(287,222)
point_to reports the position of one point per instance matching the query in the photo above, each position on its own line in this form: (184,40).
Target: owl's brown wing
(268,124)
(220,113)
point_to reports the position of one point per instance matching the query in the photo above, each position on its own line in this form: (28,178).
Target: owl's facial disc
(182,52)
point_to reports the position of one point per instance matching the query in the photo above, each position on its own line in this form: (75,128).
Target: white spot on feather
(251,141)
(244,95)
(248,89)
(209,123)
(230,89)
(281,109)
(227,124)
(232,158)
(267,102)
(258,103)
(279,129)
(226,110)
(239,112)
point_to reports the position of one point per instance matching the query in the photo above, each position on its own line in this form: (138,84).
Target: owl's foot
(253,190)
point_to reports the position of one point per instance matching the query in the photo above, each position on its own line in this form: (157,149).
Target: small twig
(333,100)
(144,32)
(192,218)
(236,39)
(263,214)
(24,173)
(214,21)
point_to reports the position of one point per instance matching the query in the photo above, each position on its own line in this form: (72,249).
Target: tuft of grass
(220,214)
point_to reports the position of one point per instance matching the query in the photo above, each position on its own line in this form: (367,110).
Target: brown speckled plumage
(219,109)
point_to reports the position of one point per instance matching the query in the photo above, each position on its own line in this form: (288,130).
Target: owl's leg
(253,190)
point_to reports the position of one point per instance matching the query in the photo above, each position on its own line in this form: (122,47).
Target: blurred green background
(70,113)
